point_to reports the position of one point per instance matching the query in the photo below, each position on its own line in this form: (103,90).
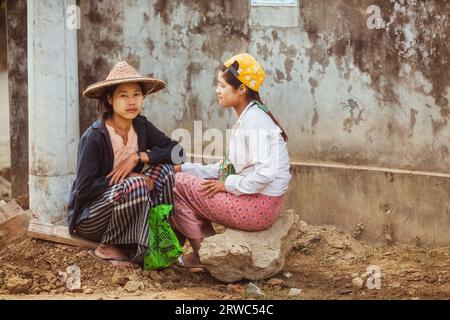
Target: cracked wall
(181,42)
(344,93)
(361,96)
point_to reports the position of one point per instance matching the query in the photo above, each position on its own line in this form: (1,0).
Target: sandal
(198,268)
(110,260)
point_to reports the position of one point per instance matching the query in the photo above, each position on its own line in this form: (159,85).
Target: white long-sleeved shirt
(259,155)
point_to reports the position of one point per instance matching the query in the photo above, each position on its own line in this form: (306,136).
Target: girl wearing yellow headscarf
(246,190)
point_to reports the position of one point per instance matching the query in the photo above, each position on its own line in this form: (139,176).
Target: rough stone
(134,286)
(36,290)
(155,276)
(349,256)
(119,278)
(18,285)
(294,292)
(169,274)
(364,276)
(358,283)
(134,277)
(275,282)
(235,255)
(29,255)
(46,288)
(395,285)
(307,240)
(254,290)
(235,288)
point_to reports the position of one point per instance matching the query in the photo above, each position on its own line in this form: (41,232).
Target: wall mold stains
(279,75)
(163,9)
(438,124)
(314,121)
(355,115)
(314,84)
(264,51)
(416,33)
(150,45)
(288,65)
(413,121)
(398,73)
(100,42)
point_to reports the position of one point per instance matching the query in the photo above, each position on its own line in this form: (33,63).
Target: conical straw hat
(123,73)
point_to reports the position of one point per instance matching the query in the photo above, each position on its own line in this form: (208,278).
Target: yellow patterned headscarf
(250,72)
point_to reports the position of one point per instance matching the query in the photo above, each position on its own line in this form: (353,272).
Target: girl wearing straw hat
(246,190)
(112,194)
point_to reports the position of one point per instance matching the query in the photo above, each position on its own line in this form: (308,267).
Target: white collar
(249,105)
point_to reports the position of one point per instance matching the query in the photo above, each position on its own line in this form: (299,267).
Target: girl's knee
(163,168)
(167,172)
(167,168)
(161,172)
(137,184)
(184,179)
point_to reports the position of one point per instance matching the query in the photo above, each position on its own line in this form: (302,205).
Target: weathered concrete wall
(345,93)
(181,42)
(407,207)
(18,95)
(100,41)
(2,35)
(361,96)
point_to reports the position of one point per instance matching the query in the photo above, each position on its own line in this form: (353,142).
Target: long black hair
(231,79)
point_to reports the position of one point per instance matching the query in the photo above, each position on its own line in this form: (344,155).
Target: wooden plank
(9,210)
(16,227)
(58,234)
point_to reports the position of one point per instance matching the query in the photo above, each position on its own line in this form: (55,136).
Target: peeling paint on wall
(188,42)
(360,96)
(355,115)
(381,100)
(100,42)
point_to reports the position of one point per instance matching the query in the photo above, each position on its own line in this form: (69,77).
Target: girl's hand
(123,169)
(211,187)
(149,181)
(177,168)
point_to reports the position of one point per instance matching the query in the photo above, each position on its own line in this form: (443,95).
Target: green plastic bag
(164,247)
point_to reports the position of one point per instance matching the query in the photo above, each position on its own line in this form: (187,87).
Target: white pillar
(53,107)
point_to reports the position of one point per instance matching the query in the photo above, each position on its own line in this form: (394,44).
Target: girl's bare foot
(114,256)
(109,252)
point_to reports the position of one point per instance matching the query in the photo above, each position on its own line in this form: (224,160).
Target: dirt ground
(322,264)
